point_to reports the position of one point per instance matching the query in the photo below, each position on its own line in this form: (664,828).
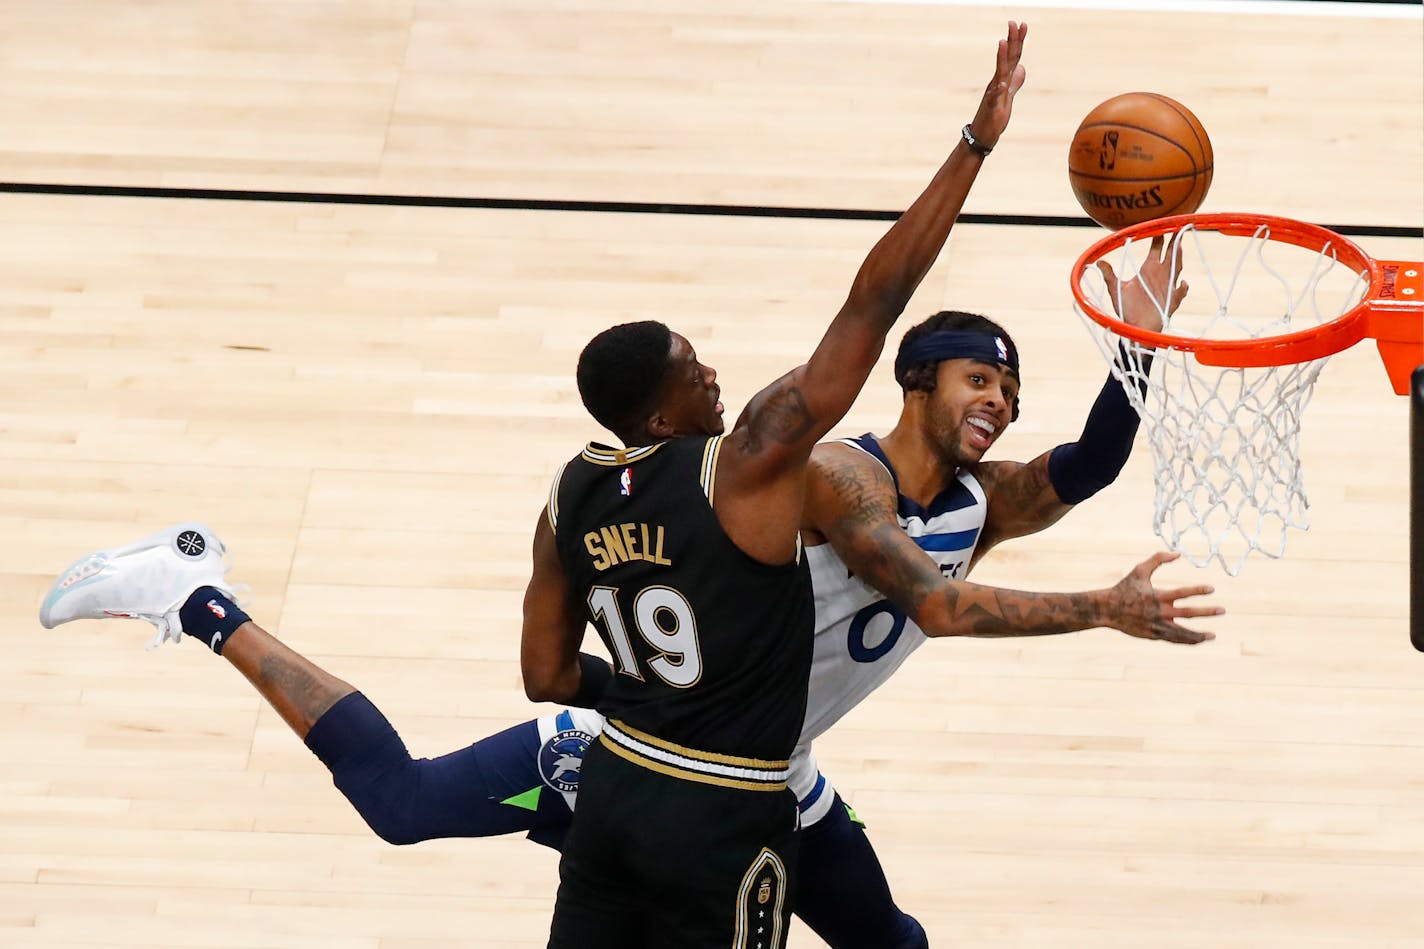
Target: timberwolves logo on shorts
(561,759)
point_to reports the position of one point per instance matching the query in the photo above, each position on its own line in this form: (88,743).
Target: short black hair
(620,372)
(922,378)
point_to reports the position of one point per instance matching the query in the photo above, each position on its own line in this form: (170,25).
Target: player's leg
(176,579)
(491,787)
(600,904)
(723,878)
(841,891)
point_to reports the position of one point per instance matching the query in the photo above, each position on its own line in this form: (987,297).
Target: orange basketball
(1139,156)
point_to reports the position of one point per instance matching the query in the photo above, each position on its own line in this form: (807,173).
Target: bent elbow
(535,691)
(936,622)
(540,687)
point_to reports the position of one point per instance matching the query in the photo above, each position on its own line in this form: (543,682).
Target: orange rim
(1301,346)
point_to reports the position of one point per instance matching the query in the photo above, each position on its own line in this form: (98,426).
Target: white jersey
(861,637)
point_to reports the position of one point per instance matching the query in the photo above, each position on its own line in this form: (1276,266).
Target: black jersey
(711,648)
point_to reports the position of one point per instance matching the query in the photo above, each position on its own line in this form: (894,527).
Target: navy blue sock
(209,616)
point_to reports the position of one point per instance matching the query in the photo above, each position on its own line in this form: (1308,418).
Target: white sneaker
(148,579)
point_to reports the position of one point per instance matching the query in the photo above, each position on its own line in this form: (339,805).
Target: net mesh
(1225,441)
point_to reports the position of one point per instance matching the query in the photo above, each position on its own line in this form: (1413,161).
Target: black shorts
(666,863)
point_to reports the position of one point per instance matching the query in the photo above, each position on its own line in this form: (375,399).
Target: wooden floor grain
(367,402)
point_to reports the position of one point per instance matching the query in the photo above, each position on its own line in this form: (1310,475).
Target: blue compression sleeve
(1079,470)
(492,787)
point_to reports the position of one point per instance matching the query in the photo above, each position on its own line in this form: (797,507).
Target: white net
(1225,442)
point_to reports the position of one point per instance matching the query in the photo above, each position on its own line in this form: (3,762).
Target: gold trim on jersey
(710,757)
(553,509)
(770,860)
(700,777)
(597,454)
(709,466)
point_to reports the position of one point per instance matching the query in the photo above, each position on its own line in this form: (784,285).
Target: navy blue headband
(950,344)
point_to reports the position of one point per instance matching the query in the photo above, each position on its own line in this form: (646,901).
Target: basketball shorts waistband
(689,764)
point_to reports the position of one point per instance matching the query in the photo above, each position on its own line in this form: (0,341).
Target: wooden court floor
(367,403)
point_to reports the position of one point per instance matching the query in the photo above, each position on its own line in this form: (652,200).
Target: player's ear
(660,427)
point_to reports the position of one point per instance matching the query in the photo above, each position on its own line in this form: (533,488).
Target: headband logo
(1003,349)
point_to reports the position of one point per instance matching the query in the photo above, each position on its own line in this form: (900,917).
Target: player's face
(972,404)
(690,400)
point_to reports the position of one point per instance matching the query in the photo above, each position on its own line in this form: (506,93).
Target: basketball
(1139,156)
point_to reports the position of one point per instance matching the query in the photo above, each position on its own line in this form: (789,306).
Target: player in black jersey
(688,842)
(683,549)
(493,786)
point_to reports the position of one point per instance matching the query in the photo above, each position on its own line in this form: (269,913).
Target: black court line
(600,207)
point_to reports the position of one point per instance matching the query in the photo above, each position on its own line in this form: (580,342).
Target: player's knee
(393,829)
(912,934)
(386,801)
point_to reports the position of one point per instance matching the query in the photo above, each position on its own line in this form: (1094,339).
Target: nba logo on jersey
(625,482)
(1002,348)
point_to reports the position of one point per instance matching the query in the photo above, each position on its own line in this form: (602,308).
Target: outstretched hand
(1142,610)
(1144,300)
(993,115)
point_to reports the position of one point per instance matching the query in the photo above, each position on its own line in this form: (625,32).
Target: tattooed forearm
(974,610)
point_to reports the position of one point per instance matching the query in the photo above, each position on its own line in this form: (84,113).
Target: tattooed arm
(760,471)
(1022,500)
(850,500)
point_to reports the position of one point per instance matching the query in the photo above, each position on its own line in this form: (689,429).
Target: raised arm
(851,502)
(768,448)
(1025,498)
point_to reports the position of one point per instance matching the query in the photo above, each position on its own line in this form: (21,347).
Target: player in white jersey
(861,637)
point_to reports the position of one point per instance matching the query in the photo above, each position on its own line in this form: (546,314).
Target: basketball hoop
(1221,387)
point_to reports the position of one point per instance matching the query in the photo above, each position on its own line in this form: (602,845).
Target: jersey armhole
(708,474)
(855,443)
(968,479)
(552,510)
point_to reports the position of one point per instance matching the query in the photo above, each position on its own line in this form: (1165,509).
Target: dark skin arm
(851,503)
(554,624)
(760,474)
